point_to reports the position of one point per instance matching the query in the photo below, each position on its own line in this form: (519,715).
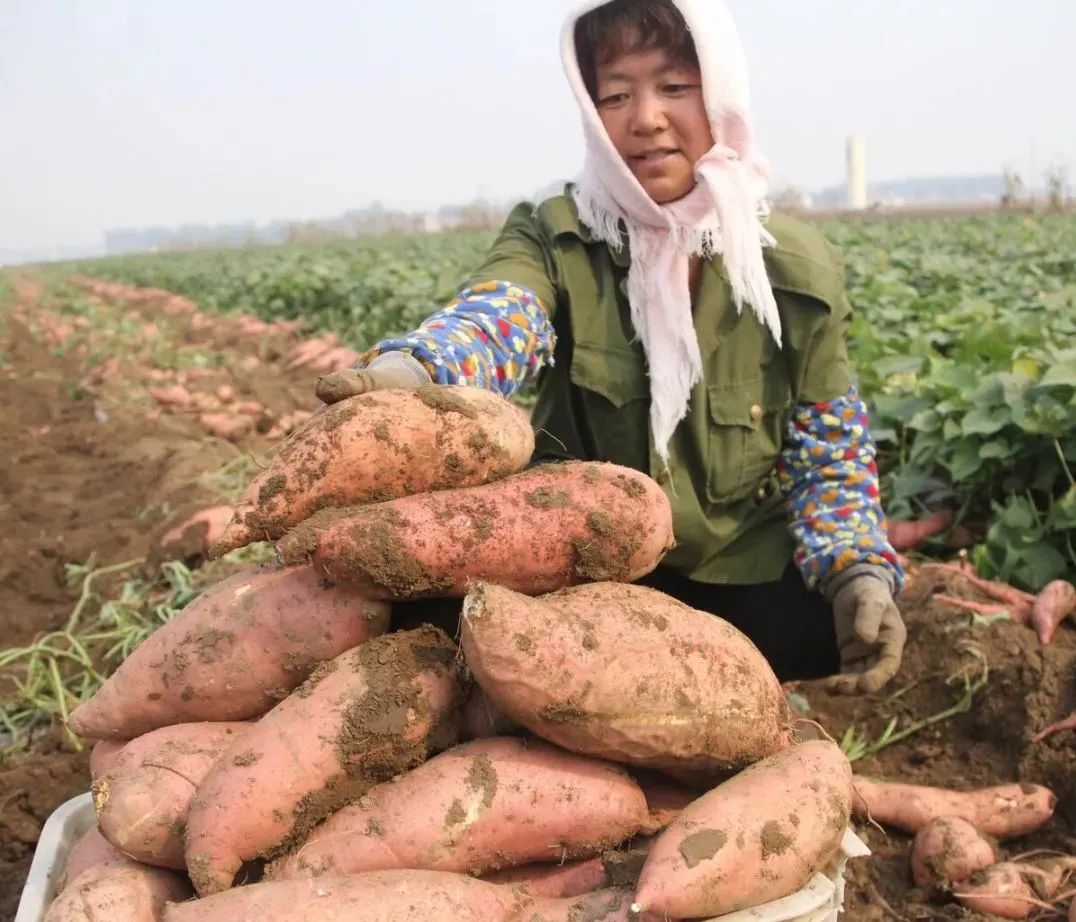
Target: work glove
(388,371)
(870,632)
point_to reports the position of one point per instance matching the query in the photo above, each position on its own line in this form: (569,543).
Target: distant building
(857,174)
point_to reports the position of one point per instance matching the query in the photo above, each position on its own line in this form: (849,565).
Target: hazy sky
(120,113)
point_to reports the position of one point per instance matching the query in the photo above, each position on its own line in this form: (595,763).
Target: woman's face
(653,111)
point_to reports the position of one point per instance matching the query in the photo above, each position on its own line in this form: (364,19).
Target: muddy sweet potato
(481,719)
(144,811)
(232,653)
(134,753)
(758,837)
(552,526)
(609,905)
(1052,606)
(103,755)
(1005,811)
(616,868)
(553,881)
(380,446)
(134,893)
(949,850)
(385,896)
(999,890)
(479,807)
(625,673)
(664,799)
(359,720)
(92,850)
(195,535)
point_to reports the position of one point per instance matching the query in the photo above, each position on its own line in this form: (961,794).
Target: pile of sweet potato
(590,749)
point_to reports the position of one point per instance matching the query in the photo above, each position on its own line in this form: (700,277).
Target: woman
(674,327)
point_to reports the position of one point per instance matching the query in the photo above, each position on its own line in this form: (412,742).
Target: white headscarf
(722,214)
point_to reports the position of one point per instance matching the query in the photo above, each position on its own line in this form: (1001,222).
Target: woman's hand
(870,635)
(389,371)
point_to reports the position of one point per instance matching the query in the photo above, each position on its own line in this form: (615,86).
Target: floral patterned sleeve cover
(494,335)
(829,476)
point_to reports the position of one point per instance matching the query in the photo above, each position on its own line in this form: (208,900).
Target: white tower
(857,174)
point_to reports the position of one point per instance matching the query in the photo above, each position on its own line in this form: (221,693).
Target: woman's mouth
(654,157)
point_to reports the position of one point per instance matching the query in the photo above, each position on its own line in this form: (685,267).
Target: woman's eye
(612,100)
(678,88)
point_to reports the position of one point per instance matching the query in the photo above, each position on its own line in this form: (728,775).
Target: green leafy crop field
(964,344)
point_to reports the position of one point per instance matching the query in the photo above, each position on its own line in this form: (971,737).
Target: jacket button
(756,412)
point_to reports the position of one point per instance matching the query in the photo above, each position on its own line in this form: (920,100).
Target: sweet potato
(552,526)
(134,753)
(904,536)
(196,534)
(134,893)
(479,807)
(553,881)
(949,850)
(232,653)
(1052,606)
(615,868)
(386,896)
(999,890)
(103,755)
(1069,723)
(608,905)
(481,719)
(1005,811)
(92,850)
(381,446)
(665,799)
(144,811)
(359,720)
(626,673)
(758,837)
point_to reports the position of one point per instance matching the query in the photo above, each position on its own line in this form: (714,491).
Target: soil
(94,464)
(1029,688)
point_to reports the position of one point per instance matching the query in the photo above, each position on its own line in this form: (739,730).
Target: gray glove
(388,371)
(870,630)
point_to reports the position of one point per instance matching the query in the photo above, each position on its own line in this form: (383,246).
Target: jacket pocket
(618,376)
(748,420)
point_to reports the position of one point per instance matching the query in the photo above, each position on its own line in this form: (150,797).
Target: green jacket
(594,401)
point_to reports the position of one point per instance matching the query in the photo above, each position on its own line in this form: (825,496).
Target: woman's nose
(648,115)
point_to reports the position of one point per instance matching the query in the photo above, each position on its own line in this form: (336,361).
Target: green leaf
(899,365)
(999,448)
(986,421)
(925,421)
(1063,374)
(966,460)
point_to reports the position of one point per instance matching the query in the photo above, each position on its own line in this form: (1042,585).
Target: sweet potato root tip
(1003,811)
(1052,606)
(1069,723)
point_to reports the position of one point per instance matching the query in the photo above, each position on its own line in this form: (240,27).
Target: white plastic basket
(62,829)
(819,901)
